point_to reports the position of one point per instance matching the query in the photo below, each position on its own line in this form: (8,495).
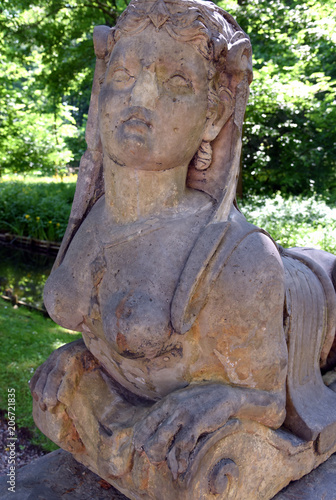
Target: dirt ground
(25,451)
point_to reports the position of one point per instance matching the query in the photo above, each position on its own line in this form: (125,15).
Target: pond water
(23,274)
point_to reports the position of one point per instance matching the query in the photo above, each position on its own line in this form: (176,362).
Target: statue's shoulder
(249,269)
(233,250)
(85,241)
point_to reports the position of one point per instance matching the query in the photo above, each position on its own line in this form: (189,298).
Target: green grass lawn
(27,339)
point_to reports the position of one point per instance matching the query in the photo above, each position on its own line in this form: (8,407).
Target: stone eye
(122,77)
(179,84)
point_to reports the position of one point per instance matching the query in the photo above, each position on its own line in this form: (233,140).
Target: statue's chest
(135,279)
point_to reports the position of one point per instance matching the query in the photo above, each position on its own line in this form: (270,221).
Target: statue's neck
(132,194)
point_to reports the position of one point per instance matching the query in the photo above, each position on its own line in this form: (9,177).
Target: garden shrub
(294,221)
(36,208)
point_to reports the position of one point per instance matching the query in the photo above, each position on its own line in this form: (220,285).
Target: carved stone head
(203,33)
(177,64)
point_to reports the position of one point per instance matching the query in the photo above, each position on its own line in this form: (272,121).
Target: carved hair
(212,31)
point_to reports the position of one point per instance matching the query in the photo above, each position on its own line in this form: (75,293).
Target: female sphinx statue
(194,321)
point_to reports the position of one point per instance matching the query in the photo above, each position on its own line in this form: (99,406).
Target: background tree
(290,128)
(46,77)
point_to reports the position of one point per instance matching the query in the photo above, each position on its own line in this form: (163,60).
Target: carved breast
(140,274)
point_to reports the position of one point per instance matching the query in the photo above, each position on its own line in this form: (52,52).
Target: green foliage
(297,221)
(46,76)
(27,339)
(290,128)
(36,207)
(32,136)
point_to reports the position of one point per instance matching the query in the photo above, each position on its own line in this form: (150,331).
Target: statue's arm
(60,374)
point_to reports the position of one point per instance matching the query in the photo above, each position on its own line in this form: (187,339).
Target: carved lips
(137,119)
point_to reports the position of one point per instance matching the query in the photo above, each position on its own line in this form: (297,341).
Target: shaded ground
(25,451)
(57,476)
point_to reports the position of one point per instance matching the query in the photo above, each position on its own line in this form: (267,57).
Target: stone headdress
(218,37)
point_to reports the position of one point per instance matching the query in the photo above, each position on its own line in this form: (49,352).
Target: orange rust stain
(89,362)
(122,342)
(104,484)
(144,481)
(120,308)
(71,436)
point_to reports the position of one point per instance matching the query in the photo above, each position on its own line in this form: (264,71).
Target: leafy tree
(290,129)
(30,136)
(46,78)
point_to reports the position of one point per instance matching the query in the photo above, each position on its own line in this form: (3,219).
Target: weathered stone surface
(199,373)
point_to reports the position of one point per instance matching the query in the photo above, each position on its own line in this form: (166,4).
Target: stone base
(58,476)
(320,484)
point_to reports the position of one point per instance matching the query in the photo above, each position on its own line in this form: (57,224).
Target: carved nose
(145,91)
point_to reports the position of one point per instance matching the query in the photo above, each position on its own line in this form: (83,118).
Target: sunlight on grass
(37,179)
(57,344)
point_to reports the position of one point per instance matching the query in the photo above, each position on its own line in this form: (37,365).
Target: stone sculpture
(199,373)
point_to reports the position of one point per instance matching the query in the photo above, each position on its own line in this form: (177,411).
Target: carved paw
(56,379)
(172,428)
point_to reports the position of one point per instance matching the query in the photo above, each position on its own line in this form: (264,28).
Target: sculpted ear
(219,115)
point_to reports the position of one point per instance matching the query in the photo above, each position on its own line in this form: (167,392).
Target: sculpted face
(153,102)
